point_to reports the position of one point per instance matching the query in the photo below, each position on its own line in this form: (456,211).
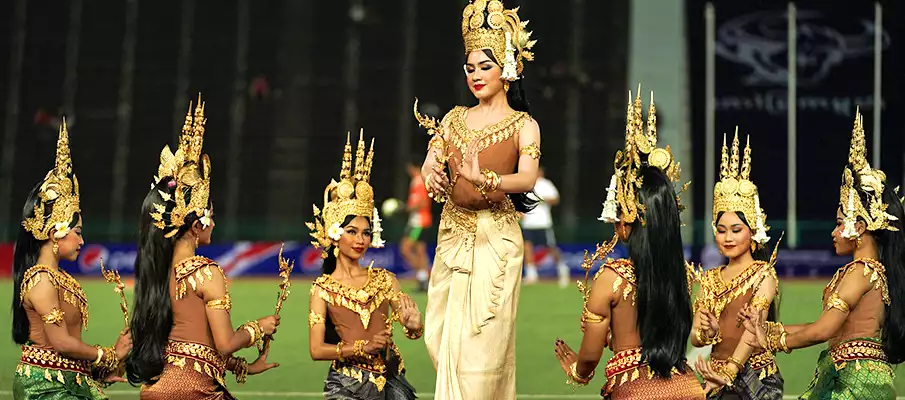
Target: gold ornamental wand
(112,276)
(285,270)
(434,129)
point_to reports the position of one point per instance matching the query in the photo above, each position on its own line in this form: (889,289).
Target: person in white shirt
(537,229)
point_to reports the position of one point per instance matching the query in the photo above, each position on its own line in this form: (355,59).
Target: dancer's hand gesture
(752,320)
(565,355)
(260,364)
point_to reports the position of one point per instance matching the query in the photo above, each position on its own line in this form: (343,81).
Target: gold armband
(760,303)
(223,303)
(531,150)
(315,318)
(54,317)
(590,317)
(413,333)
(576,379)
(834,301)
(255,334)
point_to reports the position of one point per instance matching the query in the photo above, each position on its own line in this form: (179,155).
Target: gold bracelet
(240,369)
(709,340)
(413,333)
(100,354)
(358,349)
(738,363)
(782,342)
(339,350)
(256,334)
(576,379)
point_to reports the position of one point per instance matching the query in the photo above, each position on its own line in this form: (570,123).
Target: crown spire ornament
(352,195)
(190,171)
(735,192)
(859,176)
(640,150)
(60,189)
(488,25)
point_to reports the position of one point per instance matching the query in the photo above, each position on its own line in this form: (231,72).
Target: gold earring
(753,246)
(196,241)
(336,252)
(506,86)
(56,248)
(858,242)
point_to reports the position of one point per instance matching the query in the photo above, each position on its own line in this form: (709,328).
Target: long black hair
(760,254)
(25,256)
(518,100)
(655,249)
(891,247)
(152,313)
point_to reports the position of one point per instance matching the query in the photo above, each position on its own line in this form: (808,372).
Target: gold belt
(858,350)
(48,358)
(204,359)
(761,360)
(464,221)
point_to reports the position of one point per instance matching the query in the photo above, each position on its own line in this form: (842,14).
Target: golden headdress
(192,184)
(61,189)
(736,193)
(488,25)
(640,150)
(352,195)
(871,181)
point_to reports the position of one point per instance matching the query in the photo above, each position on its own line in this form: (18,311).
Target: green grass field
(545,313)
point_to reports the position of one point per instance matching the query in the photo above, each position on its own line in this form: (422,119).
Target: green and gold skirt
(854,369)
(44,374)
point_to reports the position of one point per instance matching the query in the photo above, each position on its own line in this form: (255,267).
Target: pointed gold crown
(60,189)
(191,171)
(487,25)
(736,193)
(352,195)
(640,150)
(870,181)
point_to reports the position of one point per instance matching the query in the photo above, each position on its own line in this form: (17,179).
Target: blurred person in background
(183,333)
(639,307)
(350,320)
(537,228)
(413,248)
(735,370)
(863,319)
(492,152)
(49,307)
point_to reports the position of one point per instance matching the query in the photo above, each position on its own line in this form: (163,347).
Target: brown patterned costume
(41,369)
(194,368)
(359,314)
(627,375)
(760,377)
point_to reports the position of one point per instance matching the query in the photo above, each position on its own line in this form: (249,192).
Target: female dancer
(493,151)
(863,317)
(49,307)
(626,306)
(734,370)
(350,321)
(181,323)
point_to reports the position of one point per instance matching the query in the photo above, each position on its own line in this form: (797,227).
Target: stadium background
(284,80)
